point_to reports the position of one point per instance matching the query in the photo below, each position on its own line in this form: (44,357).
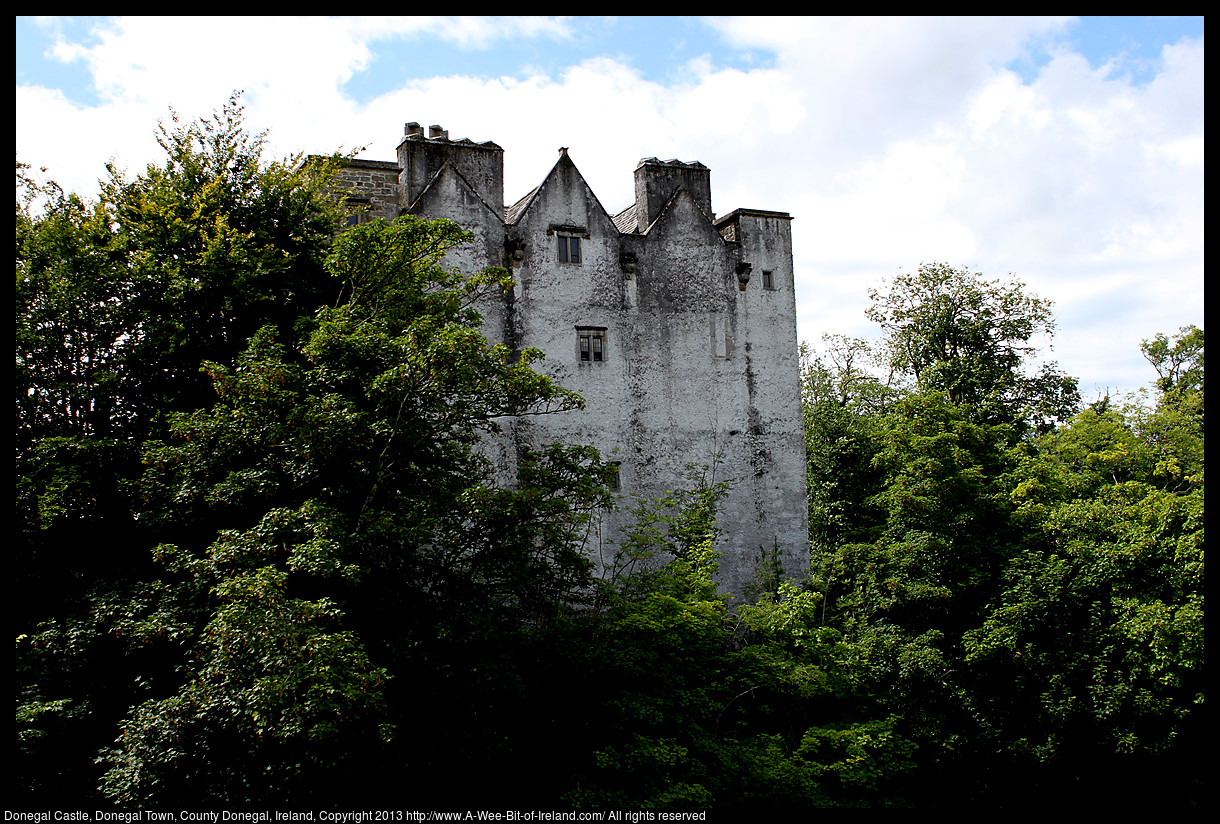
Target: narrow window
(721,342)
(768,280)
(616,478)
(359,214)
(569,249)
(592,345)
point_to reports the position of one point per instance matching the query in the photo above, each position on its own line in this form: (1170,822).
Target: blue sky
(1066,151)
(657,47)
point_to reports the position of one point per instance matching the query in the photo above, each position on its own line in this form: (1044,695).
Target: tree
(1023,599)
(952,331)
(1174,429)
(700,706)
(844,407)
(1179,364)
(121,300)
(333,497)
(118,302)
(1088,668)
(311,545)
(919,487)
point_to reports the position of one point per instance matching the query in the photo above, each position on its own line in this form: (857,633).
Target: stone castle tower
(677,327)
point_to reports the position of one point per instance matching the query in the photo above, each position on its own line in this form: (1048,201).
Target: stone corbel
(514,250)
(743,275)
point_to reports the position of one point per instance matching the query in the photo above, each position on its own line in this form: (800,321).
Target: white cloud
(891,141)
(466,32)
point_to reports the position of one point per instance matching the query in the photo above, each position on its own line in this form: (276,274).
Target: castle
(676,326)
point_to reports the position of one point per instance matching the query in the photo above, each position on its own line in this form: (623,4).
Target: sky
(1064,153)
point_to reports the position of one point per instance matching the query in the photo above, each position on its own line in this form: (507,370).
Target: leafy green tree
(1178,363)
(701,706)
(1174,429)
(1090,661)
(843,406)
(1024,599)
(925,527)
(329,487)
(308,548)
(118,302)
(952,331)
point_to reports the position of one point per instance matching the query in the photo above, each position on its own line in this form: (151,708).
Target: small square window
(569,249)
(359,214)
(592,345)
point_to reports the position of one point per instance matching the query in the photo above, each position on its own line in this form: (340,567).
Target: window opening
(569,249)
(722,343)
(592,345)
(768,280)
(361,215)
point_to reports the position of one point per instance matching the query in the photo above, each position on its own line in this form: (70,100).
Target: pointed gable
(449,194)
(683,213)
(566,198)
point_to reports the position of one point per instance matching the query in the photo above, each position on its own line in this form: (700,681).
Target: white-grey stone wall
(700,363)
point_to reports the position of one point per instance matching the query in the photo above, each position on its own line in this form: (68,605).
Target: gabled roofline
(522,206)
(626,218)
(669,205)
(513,213)
(461,177)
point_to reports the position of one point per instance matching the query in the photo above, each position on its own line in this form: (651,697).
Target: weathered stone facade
(677,327)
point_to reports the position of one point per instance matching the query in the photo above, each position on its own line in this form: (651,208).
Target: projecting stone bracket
(743,275)
(514,250)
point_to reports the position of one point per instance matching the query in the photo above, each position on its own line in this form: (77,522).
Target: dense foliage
(1024,586)
(261,560)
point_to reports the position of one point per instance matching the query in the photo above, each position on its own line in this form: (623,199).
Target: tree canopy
(973,339)
(247,480)
(262,560)
(1019,575)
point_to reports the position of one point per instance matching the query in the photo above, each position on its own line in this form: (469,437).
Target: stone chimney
(657,180)
(420,158)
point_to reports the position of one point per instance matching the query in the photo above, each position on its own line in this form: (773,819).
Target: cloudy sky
(1066,152)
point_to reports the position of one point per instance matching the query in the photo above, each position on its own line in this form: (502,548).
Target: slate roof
(625,220)
(513,213)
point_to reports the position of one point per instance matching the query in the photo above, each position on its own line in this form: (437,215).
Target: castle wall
(373,186)
(689,357)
